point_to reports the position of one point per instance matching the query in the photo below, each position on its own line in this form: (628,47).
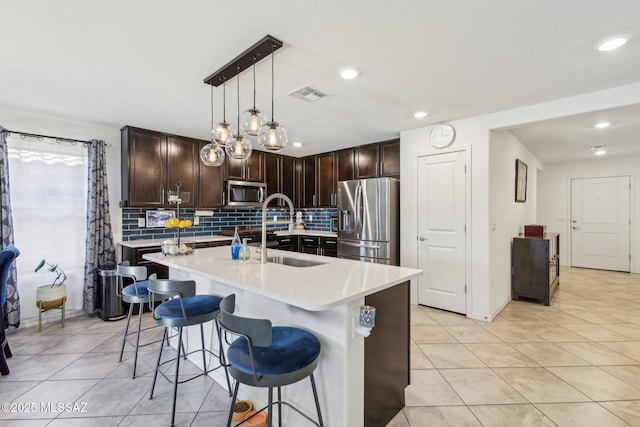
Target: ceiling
(142,63)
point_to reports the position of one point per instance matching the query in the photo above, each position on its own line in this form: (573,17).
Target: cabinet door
(366,161)
(272,173)
(182,166)
(309,245)
(390,158)
(255,167)
(326,179)
(287,175)
(298,172)
(309,185)
(344,165)
(235,168)
(211,184)
(147,172)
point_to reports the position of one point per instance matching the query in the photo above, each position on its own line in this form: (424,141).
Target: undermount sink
(293,262)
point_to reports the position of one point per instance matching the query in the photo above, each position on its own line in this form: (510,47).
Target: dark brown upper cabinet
(251,169)
(153,163)
(309,182)
(344,165)
(326,179)
(279,176)
(367,160)
(288,179)
(390,158)
(211,184)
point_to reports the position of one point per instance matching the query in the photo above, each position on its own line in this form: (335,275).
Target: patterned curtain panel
(100,248)
(12,306)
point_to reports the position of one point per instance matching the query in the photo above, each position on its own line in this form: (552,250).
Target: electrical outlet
(310,218)
(141,222)
(196,220)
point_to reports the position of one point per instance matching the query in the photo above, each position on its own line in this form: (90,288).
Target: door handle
(575,228)
(422,239)
(574,221)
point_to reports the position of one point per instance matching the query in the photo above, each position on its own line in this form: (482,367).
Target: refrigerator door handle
(361,244)
(358,210)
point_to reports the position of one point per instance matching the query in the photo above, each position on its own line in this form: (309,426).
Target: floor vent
(307,93)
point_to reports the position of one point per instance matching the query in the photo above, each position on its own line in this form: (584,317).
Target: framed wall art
(521,181)
(158,218)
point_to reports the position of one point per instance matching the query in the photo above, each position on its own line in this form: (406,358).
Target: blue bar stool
(136,292)
(184,308)
(268,356)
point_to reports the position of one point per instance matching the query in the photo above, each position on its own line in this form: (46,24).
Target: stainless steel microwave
(245,193)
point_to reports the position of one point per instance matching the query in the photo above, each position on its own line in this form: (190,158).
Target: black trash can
(110,302)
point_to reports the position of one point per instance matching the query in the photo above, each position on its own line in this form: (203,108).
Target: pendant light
(252,119)
(272,136)
(211,154)
(223,132)
(239,148)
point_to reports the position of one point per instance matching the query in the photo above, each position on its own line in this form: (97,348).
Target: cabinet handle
(162,197)
(223,198)
(248,172)
(376,168)
(314,200)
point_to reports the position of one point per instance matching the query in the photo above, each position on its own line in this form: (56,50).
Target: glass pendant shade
(239,148)
(222,133)
(272,136)
(251,121)
(212,155)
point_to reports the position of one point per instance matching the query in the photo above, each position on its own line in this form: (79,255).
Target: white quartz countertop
(307,233)
(317,288)
(157,242)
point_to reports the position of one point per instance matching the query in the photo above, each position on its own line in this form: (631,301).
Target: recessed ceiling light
(420,114)
(599,150)
(348,73)
(612,44)
(602,125)
(297,144)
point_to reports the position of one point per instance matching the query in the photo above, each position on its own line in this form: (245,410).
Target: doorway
(441,230)
(600,223)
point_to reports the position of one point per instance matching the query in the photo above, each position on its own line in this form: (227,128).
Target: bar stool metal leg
(126,331)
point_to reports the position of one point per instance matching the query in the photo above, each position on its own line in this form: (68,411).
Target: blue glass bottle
(236,245)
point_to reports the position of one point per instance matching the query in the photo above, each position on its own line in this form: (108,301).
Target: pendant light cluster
(252,124)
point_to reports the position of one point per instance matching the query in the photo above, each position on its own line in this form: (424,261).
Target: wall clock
(442,135)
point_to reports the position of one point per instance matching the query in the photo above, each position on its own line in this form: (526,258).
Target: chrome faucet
(263,253)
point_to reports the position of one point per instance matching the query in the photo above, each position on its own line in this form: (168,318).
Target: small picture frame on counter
(157,219)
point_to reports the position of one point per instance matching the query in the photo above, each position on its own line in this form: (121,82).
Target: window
(48,181)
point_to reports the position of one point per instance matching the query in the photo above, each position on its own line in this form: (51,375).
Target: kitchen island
(325,299)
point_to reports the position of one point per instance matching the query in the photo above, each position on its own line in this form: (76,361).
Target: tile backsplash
(222,219)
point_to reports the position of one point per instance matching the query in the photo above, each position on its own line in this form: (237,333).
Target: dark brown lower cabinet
(386,356)
(535,267)
(134,256)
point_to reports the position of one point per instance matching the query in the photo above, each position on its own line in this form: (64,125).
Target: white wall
(507,218)
(38,123)
(554,197)
(474,133)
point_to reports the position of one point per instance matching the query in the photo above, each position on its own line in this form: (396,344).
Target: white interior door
(441,231)
(600,223)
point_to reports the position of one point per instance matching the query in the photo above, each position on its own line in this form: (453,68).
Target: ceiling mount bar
(259,51)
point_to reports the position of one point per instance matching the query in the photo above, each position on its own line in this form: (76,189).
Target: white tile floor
(575,363)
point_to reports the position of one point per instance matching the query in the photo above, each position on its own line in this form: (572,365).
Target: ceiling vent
(307,93)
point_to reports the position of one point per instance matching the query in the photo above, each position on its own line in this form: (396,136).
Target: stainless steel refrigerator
(369,220)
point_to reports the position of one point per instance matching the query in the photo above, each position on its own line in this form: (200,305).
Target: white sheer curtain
(49,201)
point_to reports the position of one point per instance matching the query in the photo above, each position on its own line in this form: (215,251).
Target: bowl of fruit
(178,223)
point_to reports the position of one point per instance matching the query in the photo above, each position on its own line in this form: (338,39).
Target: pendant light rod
(238,86)
(224,99)
(272,80)
(254,82)
(260,50)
